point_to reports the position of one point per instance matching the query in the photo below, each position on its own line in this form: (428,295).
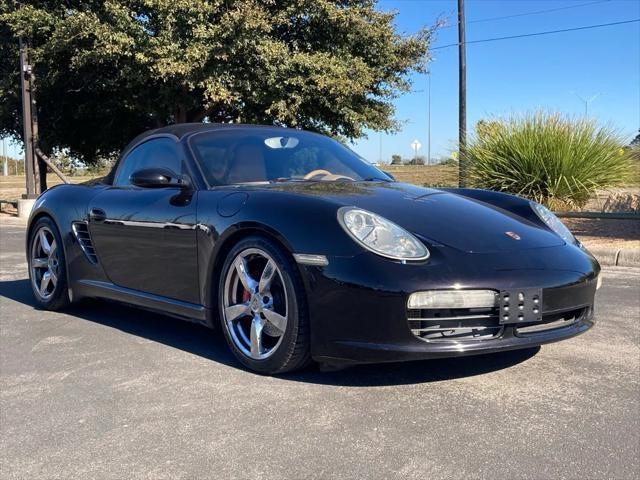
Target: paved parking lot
(106,391)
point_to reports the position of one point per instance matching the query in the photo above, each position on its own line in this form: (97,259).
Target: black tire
(57,296)
(293,350)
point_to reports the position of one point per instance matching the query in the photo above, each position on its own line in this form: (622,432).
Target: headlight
(381,236)
(553,222)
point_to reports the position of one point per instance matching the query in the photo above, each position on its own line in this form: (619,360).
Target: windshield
(265,155)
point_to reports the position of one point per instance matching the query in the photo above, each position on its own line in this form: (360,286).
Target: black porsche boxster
(300,250)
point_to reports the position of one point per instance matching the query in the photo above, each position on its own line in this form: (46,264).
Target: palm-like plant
(548,158)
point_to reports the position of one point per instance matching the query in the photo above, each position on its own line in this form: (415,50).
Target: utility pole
(429,122)
(40,165)
(29,159)
(5,167)
(462,99)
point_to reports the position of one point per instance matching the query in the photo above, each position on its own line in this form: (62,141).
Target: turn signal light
(453,299)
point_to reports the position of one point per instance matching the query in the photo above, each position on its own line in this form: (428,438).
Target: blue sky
(521,74)
(518,75)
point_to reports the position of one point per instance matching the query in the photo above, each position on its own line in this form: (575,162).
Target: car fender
(300,224)
(65,204)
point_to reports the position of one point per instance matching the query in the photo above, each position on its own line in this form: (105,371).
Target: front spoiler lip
(353,352)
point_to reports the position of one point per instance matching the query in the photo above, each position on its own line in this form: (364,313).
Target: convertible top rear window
(240,156)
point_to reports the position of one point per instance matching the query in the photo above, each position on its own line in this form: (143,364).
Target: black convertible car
(300,250)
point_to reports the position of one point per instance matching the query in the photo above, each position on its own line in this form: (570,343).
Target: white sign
(416,145)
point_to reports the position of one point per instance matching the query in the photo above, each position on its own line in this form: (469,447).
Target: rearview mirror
(158,178)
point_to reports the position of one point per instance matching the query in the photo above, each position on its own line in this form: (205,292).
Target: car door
(145,238)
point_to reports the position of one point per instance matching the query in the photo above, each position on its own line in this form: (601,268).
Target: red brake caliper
(246,295)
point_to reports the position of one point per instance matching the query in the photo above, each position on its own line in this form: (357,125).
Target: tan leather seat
(247,165)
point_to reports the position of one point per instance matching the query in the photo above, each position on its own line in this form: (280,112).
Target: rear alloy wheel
(47,269)
(260,305)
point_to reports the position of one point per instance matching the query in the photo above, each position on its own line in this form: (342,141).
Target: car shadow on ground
(211,345)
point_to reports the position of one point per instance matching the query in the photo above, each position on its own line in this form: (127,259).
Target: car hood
(437,216)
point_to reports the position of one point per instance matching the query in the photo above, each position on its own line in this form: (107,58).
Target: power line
(536,34)
(524,14)
(537,12)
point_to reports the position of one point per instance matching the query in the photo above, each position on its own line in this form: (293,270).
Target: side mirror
(158,178)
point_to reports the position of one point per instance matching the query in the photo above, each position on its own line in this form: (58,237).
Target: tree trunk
(180,114)
(43,174)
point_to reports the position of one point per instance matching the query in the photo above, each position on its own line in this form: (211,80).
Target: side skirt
(167,306)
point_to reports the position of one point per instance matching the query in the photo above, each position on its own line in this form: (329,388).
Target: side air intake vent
(81,231)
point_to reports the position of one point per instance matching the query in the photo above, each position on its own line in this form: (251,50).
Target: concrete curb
(13,221)
(600,215)
(618,257)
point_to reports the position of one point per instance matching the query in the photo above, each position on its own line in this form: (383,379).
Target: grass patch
(13,186)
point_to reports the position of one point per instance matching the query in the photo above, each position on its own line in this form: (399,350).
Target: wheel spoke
(44,283)
(53,277)
(267,277)
(278,321)
(44,242)
(256,337)
(40,262)
(52,249)
(235,312)
(243,273)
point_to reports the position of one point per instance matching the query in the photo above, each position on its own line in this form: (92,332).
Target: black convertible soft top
(181,130)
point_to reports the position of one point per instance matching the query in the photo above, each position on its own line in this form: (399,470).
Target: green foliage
(101,167)
(419,160)
(396,159)
(447,161)
(554,160)
(111,69)
(68,165)
(14,165)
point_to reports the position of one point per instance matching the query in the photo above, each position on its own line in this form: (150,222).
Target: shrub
(554,160)
(452,162)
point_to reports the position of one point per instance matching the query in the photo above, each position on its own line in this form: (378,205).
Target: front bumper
(358,305)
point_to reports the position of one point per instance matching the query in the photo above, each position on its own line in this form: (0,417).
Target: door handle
(97,215)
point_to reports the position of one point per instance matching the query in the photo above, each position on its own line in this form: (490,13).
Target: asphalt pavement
(110,392)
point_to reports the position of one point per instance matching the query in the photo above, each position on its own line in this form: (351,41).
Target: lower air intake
(442,325)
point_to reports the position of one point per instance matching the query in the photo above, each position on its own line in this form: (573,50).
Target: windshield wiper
(287,179)
(375,179)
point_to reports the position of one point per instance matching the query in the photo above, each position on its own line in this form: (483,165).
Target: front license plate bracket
(522,305)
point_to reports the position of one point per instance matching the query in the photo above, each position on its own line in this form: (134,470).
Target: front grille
(551,322)
(81,232)
(459,324)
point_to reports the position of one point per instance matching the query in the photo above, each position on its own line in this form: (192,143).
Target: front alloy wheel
(44,263)
(261,312)
(47,267)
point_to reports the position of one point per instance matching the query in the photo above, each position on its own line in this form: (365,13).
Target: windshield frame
(384,177)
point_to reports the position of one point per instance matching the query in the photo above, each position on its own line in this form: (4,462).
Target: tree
(107,70)
(396,159)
